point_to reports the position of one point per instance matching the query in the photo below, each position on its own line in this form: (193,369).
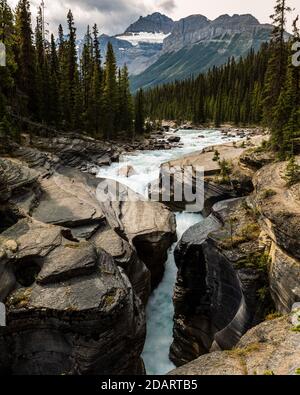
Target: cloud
(167,5)
(112,16)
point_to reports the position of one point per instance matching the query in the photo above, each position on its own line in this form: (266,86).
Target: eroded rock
(149,226)
(221,267)
(70,308)
(271,348)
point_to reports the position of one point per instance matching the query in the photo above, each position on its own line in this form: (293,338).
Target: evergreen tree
(95,108)
(125,104)
(75,94)
(110,93)
(26,59)
(139,123)
(292,173)
(41,90)
(87,68)
(54,108)
(8,73)
(276,71)
(291,100)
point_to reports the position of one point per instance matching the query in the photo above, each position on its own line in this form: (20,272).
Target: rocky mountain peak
(154,23)
(197,28)
(235,20)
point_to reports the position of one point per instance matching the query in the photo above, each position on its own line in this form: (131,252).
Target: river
(160,310)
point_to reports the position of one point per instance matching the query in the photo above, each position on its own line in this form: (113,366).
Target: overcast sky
(114,16)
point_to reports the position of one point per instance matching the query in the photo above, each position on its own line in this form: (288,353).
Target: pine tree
(139,123)
(87,67)
(25,56)
(8,73)
(63,79)
(54,109)
(126,103)
(292,173)
(292,99)
(276,71)
(110,93)
(41,92)
(75,94)
(95,108)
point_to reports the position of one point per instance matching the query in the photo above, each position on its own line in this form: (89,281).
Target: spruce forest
(261,89)
(46,82)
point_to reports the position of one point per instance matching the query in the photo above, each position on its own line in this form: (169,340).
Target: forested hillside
(46,82)
(263,88)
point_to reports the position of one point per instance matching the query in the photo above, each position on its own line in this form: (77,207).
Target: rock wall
(271,348)
(70,309)
(216,299)
(75,288)
(238,264)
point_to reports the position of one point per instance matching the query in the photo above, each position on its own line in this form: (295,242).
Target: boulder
(174,139)
(70,308)
(126,257)
(149,226)
(127,171)
(68,201)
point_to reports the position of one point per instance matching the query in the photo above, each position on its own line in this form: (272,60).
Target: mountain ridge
(197,44)
(152,23)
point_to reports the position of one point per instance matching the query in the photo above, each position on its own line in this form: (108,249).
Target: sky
(114,16)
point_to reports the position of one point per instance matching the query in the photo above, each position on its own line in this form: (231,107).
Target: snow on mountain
(144,37)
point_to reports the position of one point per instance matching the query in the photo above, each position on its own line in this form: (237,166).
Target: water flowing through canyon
(160,311)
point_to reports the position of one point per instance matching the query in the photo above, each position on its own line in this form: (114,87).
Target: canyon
(84,280)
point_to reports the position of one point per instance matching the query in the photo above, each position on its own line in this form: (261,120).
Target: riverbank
(65,257)
(238,268)
(227,151)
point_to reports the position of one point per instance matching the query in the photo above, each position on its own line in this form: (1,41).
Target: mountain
(153,23)
(141,43)
(197,43)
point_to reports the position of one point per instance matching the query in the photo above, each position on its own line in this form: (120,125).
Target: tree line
(47,82)
(261,89)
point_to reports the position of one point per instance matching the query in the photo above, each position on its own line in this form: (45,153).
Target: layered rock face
(70,308)
(271,348)
(239,264)
(220,271)
(279,207)
(75,288)
(149,226)
(196,28)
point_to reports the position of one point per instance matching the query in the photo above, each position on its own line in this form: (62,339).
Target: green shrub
(268,193)
(216,157)
(292,172)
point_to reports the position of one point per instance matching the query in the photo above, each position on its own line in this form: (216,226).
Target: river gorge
(133,287)
(146,167)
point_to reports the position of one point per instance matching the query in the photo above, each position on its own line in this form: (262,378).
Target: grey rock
(70,308)
(284,279)
(126,257)
(269,348)
(215,296)
(149,226)
(67,202)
